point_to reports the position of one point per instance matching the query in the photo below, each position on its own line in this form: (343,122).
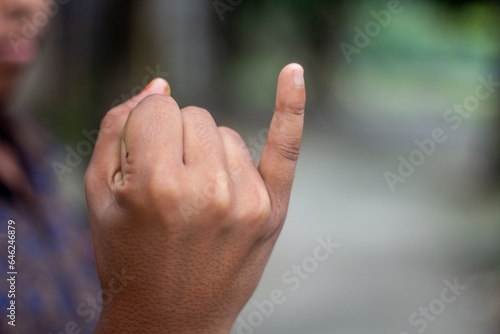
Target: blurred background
(376,84)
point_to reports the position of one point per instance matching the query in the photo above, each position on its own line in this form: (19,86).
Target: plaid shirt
(56,283)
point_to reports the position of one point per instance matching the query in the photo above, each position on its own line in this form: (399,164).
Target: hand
(177,204)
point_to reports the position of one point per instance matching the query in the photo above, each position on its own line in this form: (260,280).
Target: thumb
(279,158)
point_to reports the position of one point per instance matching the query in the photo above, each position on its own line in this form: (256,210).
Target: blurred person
(53,252)
(182,221)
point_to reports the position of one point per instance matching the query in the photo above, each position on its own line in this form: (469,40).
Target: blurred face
(21,25)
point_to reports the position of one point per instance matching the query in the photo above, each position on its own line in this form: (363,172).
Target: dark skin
(177,202)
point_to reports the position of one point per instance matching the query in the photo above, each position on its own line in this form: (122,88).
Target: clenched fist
(177,204)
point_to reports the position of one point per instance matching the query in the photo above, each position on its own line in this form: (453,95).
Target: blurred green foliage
(442,42)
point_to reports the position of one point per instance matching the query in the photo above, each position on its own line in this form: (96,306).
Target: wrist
(121,320)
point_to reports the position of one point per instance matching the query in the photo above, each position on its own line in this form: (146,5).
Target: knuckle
(292,107)
(220,204)
(296,108)
(262,207)
(112,117)
(159,194)
(199,114)
(157,100)
(219,195)
(263,210)
(164,190)
(153,105)
(229,132)
(126,192)
(256,212)
(289,150)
